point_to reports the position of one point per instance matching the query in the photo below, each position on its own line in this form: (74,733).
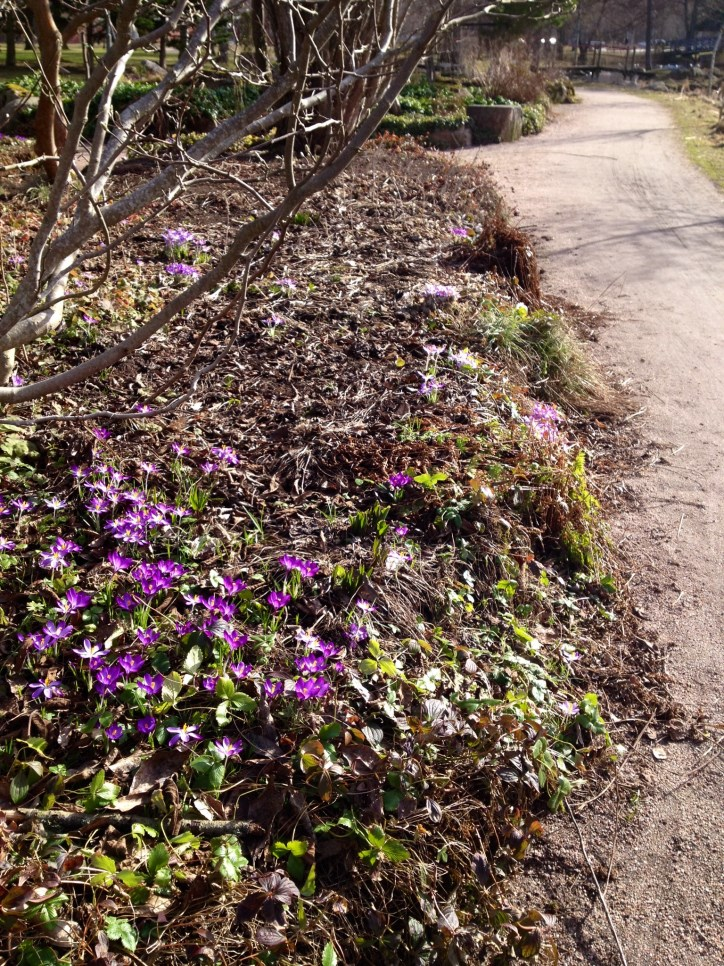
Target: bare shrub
(510,75)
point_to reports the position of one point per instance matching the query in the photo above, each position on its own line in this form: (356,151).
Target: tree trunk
(10,54)
(49,126)
(162,52)
(713,60)
(183,37)
(649,33)
(258,35)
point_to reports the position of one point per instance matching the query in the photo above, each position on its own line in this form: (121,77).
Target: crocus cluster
(543,421)
(181,268)
(443,293)
(307,568)
(181,238)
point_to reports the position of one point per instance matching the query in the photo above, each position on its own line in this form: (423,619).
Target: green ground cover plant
(294,674)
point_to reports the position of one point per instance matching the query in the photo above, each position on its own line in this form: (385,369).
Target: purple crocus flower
(150,683)
(459,232)
(311,663)
(90,650)
(402,530)
(326,648)
(569,708)
(119,562)
(74,600)
(107,679)
(114,731)
(309,569)
(22,505)
(49,689)
(226,454)
(179,449)
(6,544)
(207,468)
(185,734)
(38,640)
(146,725)
(289,562)
(446,293)
(127,601)
(277,600)
(131,662)
(429,385)
(233,585)
(147,636)
(56,503)
(97,505)
(365,606)
(235,639)
(65,546)
(272,689)
(228,748)
(180,268)
(398,480)
(287,283)
(240,670)
(209,683)
(148,468)
(57,632)
(543,421)
(101,433)
(308,688)
(357,633)
(53,559)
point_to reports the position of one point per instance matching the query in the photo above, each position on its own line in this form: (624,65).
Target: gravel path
(626,225)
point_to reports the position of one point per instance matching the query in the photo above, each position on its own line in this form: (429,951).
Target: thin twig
(632,749)
(601,896)
(695,771)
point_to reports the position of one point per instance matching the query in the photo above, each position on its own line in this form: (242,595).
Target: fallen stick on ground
(601,896)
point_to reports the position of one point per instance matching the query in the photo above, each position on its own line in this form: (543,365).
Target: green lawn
(72,61)
(696,120)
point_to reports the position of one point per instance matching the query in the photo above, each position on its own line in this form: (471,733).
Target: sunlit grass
(696,119)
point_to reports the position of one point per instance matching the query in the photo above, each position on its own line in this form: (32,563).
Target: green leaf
(330,731)
(388,667)
(104,862)
(329,956)
(225,688)
(368,666)
(310,885)
(243,702)
(157,858)
(298,847)
(375,648)
(121,929)
(228,857)
(130,879)
(194,659)
(376,836)
(96,782)
(19,786)
(222,713)
(172,685)
(31,955)
(395,851)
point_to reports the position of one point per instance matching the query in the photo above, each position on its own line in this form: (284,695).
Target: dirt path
(625,224)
